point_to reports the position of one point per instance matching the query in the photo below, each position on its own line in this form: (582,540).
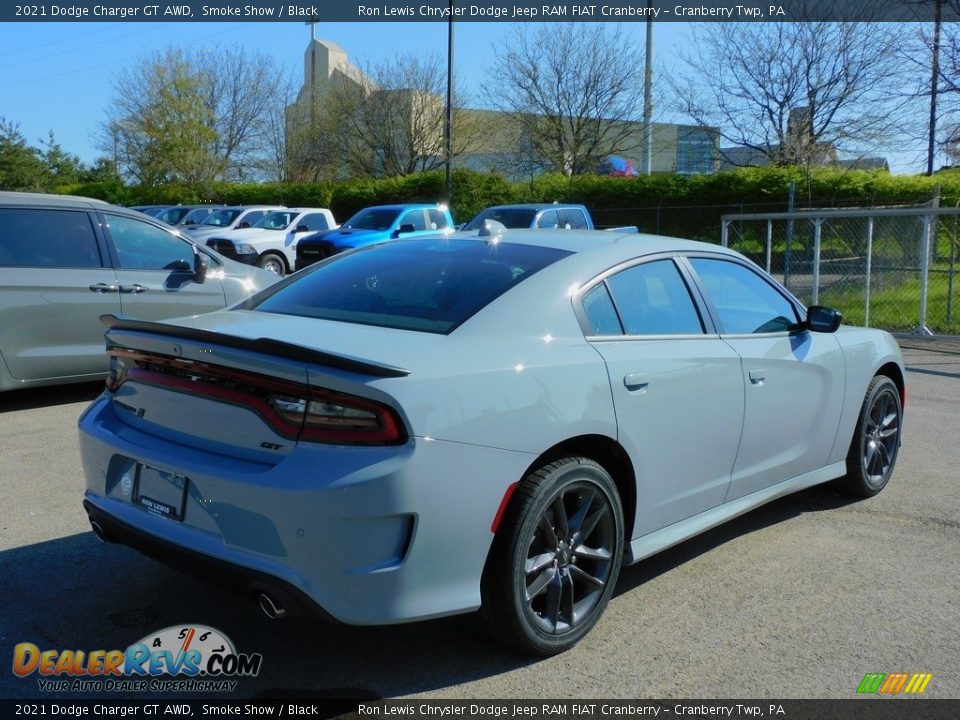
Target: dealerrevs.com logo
(185,658)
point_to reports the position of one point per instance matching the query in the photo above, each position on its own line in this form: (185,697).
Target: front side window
(372,219)
(549,219)
(573,218)
(222,218)
(508,217)
(652,299)
(314,221)
(47,238)
(426,285)
(276,220)
(745,302)
(141,246)
(415,218)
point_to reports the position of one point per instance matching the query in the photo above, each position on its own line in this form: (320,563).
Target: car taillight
(339,418)
(292,410)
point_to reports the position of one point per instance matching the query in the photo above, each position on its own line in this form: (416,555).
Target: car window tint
(653,300)
(745,301)
(425,285)
(314,221)
(142,246)
(47,238)
(573,218)
(508,217)
(601,314)
(438,220)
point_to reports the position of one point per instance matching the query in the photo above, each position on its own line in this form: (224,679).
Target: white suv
(272,242)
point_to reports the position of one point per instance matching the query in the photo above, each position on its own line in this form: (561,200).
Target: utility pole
(934,84)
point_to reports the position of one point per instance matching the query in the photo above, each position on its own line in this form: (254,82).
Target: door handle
(636,381)
(105,287)
(757,377)
(134,289)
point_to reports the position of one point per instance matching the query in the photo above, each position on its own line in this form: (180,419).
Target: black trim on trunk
(268,346)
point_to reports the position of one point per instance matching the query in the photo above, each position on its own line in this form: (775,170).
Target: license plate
(161,492)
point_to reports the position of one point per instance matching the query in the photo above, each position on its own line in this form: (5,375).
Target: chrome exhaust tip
(270,607)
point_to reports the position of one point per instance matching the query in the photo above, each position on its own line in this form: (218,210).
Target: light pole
(449,128)
(648,96)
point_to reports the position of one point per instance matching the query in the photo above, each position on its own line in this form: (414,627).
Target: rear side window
(653,300)
(47,238)
(438,220)
(425,285)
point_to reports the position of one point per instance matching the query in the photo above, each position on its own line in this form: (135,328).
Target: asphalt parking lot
(798,599)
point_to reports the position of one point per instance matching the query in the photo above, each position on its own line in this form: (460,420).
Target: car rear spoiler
(259,345)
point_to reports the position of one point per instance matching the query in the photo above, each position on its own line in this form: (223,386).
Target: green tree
(191,117)
(21,166)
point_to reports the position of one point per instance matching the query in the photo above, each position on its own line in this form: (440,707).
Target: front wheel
(271,262)
(555,559)
(876,440)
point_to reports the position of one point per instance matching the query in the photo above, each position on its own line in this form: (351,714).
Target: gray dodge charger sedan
(434,426)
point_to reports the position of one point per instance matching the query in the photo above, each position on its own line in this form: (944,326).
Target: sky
(57,76)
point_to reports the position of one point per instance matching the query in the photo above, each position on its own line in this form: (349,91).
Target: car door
(55,282)
(677,390)
(155,272)
(793,380)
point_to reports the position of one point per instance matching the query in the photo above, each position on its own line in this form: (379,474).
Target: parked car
(272,242)
(65,261)
(185,215)
(534,215)
(150,210)
(435,425)
(229,218)
(371,225)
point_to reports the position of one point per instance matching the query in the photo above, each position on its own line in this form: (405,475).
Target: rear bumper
(249,582)
(366,535)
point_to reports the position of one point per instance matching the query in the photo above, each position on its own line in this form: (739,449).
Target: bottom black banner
(589,709)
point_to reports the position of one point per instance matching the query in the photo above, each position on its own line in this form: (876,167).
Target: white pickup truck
(272,242)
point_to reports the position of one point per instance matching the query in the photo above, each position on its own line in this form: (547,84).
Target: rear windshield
(508,217)
(426,285)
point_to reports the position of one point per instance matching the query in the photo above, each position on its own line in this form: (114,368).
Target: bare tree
(795,93)
(192,117)
(392,122)
(574,92)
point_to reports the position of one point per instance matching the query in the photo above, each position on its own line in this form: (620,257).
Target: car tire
(876,440)
(555,558)
(272,262)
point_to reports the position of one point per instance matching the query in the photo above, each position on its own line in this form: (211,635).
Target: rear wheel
(271,262)
(876,440)
(555,559)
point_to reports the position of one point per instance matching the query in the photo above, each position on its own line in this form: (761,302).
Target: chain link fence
(892,268)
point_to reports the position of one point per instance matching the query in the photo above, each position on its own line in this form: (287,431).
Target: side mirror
(302,228)
(200,266)
(823,319)
(243,225)
(405,228)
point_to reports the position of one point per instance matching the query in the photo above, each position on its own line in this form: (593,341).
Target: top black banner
(484,11)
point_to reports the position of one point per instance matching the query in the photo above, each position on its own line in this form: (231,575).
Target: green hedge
(688,206)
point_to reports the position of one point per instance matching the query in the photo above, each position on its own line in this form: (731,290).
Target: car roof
(600,242)
(48,200)
(534,206)
(403,206)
